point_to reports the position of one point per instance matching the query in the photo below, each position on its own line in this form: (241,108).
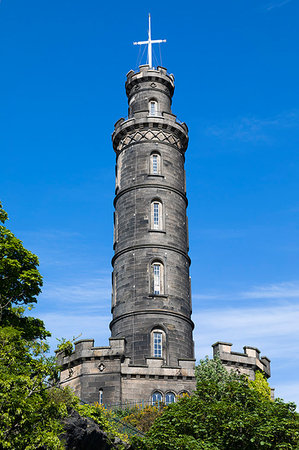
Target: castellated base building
(150,356)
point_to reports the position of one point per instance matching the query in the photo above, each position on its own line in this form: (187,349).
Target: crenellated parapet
(148,124)
(246,363)
(91,370)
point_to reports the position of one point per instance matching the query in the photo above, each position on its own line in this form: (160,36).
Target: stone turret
(247,363)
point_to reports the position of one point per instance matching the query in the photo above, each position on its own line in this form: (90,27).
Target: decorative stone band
(150,185)
(149,135)
(137,247)
(153,311)
(162,129)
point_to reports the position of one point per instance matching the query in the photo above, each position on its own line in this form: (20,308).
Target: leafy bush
(226,412)
(143,417)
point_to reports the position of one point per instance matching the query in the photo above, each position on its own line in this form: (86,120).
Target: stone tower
(150,356)
(151,351)
(151,301)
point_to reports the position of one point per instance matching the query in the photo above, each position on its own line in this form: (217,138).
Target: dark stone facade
(130,368)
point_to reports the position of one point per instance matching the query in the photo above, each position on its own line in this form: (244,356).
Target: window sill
(158,295)
(155,175)
(152,230)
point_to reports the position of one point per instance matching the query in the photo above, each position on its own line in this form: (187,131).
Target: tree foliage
(29,418)
(143,417)
(225,412)
(20,283)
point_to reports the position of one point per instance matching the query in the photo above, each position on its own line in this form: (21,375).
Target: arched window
(157,278)
(156,215)
(156,398)
(153,108)
(155,164)
(100,396)
(169,398)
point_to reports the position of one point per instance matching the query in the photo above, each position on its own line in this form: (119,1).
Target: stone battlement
(246,363)
(89,369)
(145,72)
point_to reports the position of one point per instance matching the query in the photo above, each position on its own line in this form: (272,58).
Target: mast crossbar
(149,43)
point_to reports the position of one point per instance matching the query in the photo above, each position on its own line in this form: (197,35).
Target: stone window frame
(162,277)
(159,163)
(161,215)
(162,331)
(156,391)
(153,107)
(170,392)
(157,344)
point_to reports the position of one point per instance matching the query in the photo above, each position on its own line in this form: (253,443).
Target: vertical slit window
(156,216)
(157,345)
(157,278)
(155,164)
(153,108)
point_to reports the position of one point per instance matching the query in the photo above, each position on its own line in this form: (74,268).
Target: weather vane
(149,43)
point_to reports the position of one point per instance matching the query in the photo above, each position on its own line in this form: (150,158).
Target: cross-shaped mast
(149,43)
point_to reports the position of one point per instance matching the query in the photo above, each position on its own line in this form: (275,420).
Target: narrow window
(169,398)
(157,279)
(100,396)
(157,344)
(155,164)
(156,398)
(153,108)
(156,216)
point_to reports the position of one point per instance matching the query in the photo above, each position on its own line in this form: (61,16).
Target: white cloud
(277,4)
(253,129)
(89,326)
(94,293)
(289,392)
(273,328)
(276,291)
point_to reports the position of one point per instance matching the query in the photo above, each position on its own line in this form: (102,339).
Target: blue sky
(63,67)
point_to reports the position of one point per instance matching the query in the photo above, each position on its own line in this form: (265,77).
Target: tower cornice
(150,185)
(166,123)
(153,311)
(150,245)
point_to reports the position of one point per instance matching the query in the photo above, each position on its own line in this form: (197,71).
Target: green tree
(225,412)
(20,284)
(29,417)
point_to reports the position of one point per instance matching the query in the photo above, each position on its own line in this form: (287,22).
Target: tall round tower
(151,300)
(150,356)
